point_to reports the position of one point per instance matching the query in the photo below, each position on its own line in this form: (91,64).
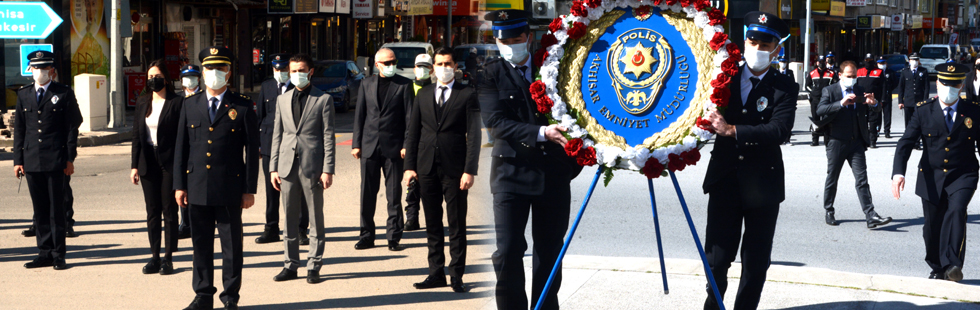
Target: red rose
(653,168)
(573,147)
(691,157)
(586,157)
(685,3)
(733,51)
(578,9)
(720,96)
(705,124)
(539,57)
(700,5)
(730,66)
(544,104)
(548,40)
(577,31)
(538,88)
(556,24)
(657,2)
(675,163)
(722,80)
(717,42)
(593,3)
(671,2)
(642,10)
(716,17)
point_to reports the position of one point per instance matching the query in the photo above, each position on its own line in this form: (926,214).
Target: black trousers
(839,151)
(69,199)
(272,204)
(817,131)
(48,196)
(726,213)
(874,124)
(549,223)
(412,206)
(371,169)
(434,187)
(886,112)
(944,230)
(158,193)
(228,220)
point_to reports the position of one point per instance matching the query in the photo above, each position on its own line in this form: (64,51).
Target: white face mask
(215,79)
(948,95)
(757,60)
(422,73)
(445,74)
(387,71)
(847,82)
(41,76)
(281,76)
(300,79)
(514,53)
(782,66)
(189,82)
(914,63)
(882,67)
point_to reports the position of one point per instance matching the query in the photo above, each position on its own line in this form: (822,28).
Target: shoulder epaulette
(921,103)
(245,96)
(26,86)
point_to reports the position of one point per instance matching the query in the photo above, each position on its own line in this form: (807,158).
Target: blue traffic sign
(26,50)
(27,20)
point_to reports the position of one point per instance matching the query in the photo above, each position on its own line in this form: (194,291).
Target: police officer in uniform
(785,70)
(530,172)
(745,181)
(819,77)
(265,106)
(887,86)
(190,82)
(49,161)
(871,79)
(832,63)
(913,87)
(947,176)
(217,129)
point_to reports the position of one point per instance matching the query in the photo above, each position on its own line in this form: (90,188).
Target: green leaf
(607,176)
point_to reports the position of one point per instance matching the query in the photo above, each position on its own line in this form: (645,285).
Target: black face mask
(156,84)
(977,66)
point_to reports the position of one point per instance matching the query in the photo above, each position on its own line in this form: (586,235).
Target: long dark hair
(168,83)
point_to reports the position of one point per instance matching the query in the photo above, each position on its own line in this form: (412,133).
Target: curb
(94,138)
(921,287)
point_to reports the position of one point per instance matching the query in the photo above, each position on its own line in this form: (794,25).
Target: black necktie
(849,91)
(213,108)
(523,72)
(442,97)
(949,118)
(755,82)
(40,95)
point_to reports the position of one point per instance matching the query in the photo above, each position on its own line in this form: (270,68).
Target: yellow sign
(820,5)
(837,8)
(493,5)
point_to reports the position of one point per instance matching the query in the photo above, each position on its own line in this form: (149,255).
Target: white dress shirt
(449,91)
(747,84)
(220,97)
(976,86)
(153,121)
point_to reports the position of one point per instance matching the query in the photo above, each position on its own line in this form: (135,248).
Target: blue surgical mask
(514,53)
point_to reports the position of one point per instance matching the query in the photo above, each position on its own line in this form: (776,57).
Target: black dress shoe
(954,273)
(231,305)
(888,135)
(59,264)
(937,275)
(268,236)
(363,244)
(412,225)
(431,282)
(815,143)
(457,285)
(284,275)
(39,262)
(153,266)
(201,303)
(312,276)
(166,267)
(830,219)
(304,239)
(183,232)
(70,232)
(875,220)
(29,232)
(874,145)
(394,246)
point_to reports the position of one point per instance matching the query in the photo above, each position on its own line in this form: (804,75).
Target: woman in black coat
(972,82)
(154,136)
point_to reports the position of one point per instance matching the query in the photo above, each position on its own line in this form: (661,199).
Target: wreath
(651,160)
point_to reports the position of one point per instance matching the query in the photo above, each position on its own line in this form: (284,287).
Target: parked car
(897,62)
(931,55)
(340,79)
(405,53)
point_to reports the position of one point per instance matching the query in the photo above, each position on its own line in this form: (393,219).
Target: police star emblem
(233,114)
(503,15)
(214,51)
(968,122)
(763,19)
(38,55)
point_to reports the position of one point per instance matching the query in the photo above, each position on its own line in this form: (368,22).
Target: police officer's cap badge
(233,114)
(214,51)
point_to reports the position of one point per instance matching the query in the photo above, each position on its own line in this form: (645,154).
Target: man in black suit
(530,172)
(190,81)
(265,106)
(745,181)
(971,84)
(845,106)
(218,128)
(445,117)
(47,162)
(785,70)
(913,87)
(947,177)
(380,119)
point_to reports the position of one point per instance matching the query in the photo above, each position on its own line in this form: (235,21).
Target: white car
(405,53)
(931,55)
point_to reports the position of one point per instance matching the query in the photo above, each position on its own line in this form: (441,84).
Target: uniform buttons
(38,121)
(930,135)
(209,141)
(920,169)
(210,128)
(188,171)
(945,161)
(209,154)
(38,112)
(947,138)
(740,157)
(192,126)
(38,130)
(944,171)
(208,166)
(38,140)
(947,149)
(233,130)
(744,111)
(542,147)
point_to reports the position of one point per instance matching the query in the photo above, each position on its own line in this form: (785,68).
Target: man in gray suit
(302,163)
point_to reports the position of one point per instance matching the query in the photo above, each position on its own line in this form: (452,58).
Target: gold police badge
(968,122)
(637,68)
(233,114)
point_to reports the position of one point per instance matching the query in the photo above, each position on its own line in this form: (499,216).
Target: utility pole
(449,23)
(117,110)
(806,38)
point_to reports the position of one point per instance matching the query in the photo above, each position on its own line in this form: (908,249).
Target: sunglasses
(389,63)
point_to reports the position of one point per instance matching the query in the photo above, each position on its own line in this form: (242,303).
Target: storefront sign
(937,23)
(916,21)
(884,22)
(307,6)
(328,6)
(898,22)
(492,5)
(820,5)
(836,8)
(135,82)
(281,6)
(863,22)
(460,7)
(256,56)
(381,8)
(26,50)
(420,7)
(856,3)
(27,20)
(363,9)
(343,6)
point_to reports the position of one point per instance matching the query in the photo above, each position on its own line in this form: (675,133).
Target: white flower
(709,33)
(549,73)
(586,142)
(691,11)
(719,28)
(701,19)
(677,7)
(663,6)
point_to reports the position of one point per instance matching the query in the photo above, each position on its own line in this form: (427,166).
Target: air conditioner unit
(206,13)
(543,9)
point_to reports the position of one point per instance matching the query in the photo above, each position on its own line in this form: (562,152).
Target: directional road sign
(27,20)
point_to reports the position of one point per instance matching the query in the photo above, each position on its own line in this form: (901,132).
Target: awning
(493,5)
